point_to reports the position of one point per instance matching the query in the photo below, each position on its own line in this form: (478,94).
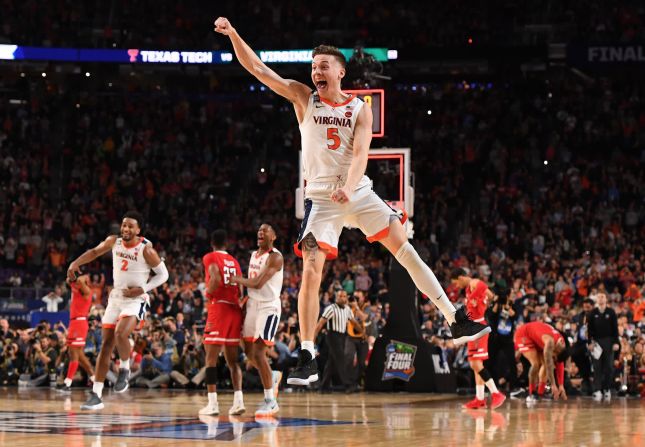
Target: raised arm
(361,148)
(294,91)
(84,287)
(274,264)
(90,255)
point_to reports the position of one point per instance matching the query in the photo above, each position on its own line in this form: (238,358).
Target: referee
(335,316)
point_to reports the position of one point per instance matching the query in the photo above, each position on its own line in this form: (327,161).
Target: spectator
(53,299)
(156,367)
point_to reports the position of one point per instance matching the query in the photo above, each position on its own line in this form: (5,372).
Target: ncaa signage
(607,55)
(399,361)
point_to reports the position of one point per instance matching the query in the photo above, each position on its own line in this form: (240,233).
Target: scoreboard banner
(376,99)
(145,56)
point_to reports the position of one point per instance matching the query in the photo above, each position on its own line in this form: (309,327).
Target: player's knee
(259,355)
(121,333)
(484,374)
(211,375)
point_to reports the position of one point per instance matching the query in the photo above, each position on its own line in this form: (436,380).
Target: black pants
(603,368)
(359,348)
(335,359)
(580,356)
(501,351)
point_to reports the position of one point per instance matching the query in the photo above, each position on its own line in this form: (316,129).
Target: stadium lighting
(87,74)
(44,75)
(546,162)
(429,112)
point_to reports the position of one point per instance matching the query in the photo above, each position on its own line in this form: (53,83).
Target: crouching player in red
(543,346)
(224,323)
(477,297)
(77,332)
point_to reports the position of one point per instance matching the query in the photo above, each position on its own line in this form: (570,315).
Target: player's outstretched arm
(90,255)
(294,91)
(274,264)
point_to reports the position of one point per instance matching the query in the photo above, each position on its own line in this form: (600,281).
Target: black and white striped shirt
(337,317)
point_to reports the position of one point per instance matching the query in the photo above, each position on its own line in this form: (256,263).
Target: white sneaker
(607,395)
(210,409)
(237,409)
(276,378)
(268,408)
(597,396)
(531,400)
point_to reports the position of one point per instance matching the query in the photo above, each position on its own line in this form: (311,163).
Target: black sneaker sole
(466,338)
(302,382)
(123,390)
(93,407)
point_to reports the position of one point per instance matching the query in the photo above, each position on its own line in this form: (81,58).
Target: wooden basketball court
(41,417)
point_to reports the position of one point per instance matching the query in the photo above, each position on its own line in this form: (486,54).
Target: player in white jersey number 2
(132,260)
(336,132)
(263,309)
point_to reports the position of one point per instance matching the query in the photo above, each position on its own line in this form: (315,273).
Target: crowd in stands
(533,186)
(177,25)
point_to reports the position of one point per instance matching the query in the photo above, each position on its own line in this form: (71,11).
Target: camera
(191,347)
(146,351)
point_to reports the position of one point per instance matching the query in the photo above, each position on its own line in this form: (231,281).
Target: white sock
(97,388)
(490,384)
(237,397)
(125,364)
(425,280)
(309,346)
(67,382)
(268,394)
(479,392)
(212,398)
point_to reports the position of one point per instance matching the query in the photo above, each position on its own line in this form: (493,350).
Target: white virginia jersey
(327,133)
(129,268)
(271,289)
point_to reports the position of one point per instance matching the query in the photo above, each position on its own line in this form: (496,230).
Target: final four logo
(399,361)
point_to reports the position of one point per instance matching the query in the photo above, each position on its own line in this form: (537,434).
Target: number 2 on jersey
(332,134)
(228,272)
(124,265)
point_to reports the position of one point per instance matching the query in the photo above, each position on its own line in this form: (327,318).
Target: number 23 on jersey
(228,272)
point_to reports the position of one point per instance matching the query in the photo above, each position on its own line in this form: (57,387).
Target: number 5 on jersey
(332,134)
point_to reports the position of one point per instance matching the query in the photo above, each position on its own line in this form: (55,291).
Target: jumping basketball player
(132,260)
(542,345)
(477,296)
(224,323)
(263,310)
(336,131)
(77,332)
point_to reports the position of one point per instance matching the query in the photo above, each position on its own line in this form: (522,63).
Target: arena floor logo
(222,428)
